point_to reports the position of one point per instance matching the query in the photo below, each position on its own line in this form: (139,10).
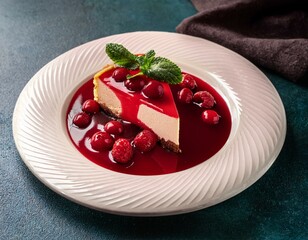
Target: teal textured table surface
(32,33)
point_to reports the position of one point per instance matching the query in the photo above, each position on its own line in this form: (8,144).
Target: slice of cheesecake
(159,115)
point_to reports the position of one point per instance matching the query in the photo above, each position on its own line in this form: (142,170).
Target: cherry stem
(132,76)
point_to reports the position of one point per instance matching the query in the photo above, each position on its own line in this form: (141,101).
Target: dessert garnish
(102,141)
(82,120)
(114,127)
(158,68)
(210,117)
(122,150)
(145,91)
(145,141)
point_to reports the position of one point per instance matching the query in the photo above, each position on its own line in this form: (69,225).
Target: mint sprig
(158,68)
(121,56)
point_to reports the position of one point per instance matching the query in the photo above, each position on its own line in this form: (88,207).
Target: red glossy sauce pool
(198,141)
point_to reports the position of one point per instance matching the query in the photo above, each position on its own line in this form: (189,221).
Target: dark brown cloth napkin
(270,33)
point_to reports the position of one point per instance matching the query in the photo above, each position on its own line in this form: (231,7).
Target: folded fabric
(272,34)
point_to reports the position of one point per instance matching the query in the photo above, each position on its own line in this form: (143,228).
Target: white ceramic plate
(257,134)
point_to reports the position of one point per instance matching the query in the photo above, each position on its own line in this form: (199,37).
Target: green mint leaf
(146,59)
(121,56)
(164,70)
(150,54)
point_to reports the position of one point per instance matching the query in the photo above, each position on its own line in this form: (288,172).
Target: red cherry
(101,141)
(122,151)
(82,120)
(210,117)
(185,95)
(153,90)
(120,74)
(114,127)
(188,82)
(205,99)
(134,84)
(90,106)
(145,141)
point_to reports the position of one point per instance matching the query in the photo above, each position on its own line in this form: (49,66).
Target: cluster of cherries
(189,94)
(150,89)
(110,139)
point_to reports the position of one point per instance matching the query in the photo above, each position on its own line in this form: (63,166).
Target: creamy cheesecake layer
(166,127)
